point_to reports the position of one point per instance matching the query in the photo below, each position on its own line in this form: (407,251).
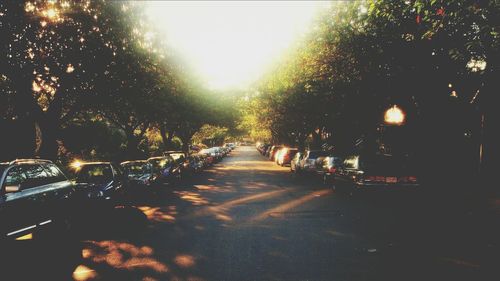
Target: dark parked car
(165,169)
(329,167)
(181,159)
(35,197)
(194,163)
(376,172)
(101,181)
(263,148)
(139,173)
(268,151)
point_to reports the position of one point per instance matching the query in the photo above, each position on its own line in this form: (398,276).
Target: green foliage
(363,56)
(211,135)
(63,62)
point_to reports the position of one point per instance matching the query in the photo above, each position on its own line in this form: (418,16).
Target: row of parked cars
(368,171)
(36,197)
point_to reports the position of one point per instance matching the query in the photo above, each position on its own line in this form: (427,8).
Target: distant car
(139,173)
(194,164)
(273,151)
(285,156)
(329,167)
(308,162)
(263,148)
(209,155)
(376,172)
(102,181)
(35,196)
(268,151)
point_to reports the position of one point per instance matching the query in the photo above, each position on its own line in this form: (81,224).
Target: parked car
(294,163)
(263,148)
(35,197)
(285,155)
(194,164)
(203,160)
(165,169)
(103,182)
(329,166)
(209,154)
(273,151)
(376,172)
(139,174)
(180,159)
(268,151)
(308,162)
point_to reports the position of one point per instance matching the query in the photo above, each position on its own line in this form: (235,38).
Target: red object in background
(440,12)
(418,19)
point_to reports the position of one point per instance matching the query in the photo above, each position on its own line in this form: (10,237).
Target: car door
(57,192)
(23,201)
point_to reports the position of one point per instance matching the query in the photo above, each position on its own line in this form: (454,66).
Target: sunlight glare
(231,43)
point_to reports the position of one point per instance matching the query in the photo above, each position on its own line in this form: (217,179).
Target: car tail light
(412,179)
(374,179)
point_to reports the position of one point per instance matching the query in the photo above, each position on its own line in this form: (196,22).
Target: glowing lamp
(394,116)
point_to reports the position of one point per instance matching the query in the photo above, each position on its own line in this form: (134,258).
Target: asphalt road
(249,219)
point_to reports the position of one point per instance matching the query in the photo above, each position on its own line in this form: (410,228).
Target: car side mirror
(12,188)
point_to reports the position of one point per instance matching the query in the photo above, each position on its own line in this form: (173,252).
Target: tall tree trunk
(167,134)
(50,129)
(132,143)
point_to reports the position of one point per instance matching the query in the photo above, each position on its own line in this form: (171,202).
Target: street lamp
(394,116)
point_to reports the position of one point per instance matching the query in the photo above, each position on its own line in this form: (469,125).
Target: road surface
(249,219)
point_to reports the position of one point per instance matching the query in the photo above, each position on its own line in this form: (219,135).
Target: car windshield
(94,173)
(160,163)
(177,156)
(136,168)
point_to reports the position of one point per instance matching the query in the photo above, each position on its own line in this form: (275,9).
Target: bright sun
(231,43)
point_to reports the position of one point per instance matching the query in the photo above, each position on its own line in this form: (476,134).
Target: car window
(95,174)
(26,176)
(135,168)
(351,162)
(161,163)
(177,156)
(55,175)
(117,169)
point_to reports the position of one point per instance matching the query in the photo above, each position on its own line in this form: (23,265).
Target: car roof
(95,163)
(159,157)
(133,161)
(28,161)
